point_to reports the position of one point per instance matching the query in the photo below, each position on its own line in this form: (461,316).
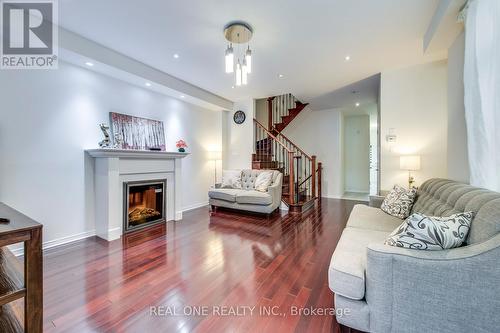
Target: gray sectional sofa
(247,198)
(381,288)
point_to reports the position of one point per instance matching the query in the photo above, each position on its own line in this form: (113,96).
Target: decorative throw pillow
(263,180)
(231,179)
(423,232)
(399,201)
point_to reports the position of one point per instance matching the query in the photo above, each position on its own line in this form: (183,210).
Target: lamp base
(411,180)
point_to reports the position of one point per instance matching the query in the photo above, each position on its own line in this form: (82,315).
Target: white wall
(261,113)
(458,164)
(319,133)
(240,136)
(225,120)
(414,104)
(47,120)
(356,153)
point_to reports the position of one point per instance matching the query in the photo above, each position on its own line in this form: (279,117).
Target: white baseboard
(18,250)
(354,199)
(332,196)
(283,206)
(114,234)
(195,206)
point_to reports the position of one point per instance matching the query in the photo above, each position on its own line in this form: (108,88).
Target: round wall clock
(239,117)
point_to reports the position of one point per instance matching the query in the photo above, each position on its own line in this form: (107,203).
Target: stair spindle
(313,180)
(291,178)
(281,106)
(275,110)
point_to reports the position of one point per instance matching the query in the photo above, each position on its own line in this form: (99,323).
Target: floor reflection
(269,236)
(227,258)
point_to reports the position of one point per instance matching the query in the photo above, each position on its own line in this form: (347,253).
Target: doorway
(356,157)
(360,152)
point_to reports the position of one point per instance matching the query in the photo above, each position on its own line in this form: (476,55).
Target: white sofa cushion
(346,275)
(254,198)
(226,194)
(366,217)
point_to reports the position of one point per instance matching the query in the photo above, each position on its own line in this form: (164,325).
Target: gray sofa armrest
(447,291)
(275,190)
(376,201)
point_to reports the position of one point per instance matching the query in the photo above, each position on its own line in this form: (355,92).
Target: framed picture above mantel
(137,133)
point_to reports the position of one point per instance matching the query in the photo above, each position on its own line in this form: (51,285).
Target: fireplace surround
(115,167)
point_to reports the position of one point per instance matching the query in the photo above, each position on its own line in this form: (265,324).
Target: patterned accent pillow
(263,180)
(423,232)
(231,179)
(399,201)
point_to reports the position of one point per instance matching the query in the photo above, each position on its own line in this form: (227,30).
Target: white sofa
(247,198)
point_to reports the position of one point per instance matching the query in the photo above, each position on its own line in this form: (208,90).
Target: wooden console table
(21,229)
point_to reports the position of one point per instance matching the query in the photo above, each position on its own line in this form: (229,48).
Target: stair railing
(279,152)
(307,178)
(319,171)
(275,155)
(279,107)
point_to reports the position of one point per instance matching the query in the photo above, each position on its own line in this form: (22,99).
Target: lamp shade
(215,155)
(410,163)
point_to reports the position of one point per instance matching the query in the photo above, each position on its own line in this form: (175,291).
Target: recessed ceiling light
(347,58)
(148,84)
(232,87)
(88,63)
(176,56)
(182,96)
(357,104)
(281,76)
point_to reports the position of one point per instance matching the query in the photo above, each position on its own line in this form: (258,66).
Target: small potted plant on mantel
(181,146)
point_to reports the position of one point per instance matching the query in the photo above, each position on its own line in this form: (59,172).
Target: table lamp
(410,163)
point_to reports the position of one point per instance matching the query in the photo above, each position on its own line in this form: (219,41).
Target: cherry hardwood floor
(212,264)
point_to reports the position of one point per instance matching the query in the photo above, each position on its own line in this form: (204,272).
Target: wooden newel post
(298,171)
(320,170)
(313,161)
(270,113)
(291,177)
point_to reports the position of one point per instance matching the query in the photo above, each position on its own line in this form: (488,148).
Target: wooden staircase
(274,151)
(282,110)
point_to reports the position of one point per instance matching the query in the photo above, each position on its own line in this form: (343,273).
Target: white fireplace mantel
(124,153)
(114,167)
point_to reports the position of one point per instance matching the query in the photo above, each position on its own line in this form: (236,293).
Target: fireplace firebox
(144,204)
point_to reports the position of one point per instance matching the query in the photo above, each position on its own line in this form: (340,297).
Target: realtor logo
(29,34)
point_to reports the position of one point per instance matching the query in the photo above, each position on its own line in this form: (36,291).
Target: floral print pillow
(399,201)
(423,232)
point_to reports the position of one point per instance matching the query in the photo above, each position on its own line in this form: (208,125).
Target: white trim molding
(18,250)
(195,206)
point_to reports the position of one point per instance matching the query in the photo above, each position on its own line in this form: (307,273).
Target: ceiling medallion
(239,33)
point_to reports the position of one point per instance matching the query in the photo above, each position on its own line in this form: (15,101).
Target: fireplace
(144,204)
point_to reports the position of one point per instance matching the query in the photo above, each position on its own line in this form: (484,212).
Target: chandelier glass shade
(239,62)
(229,59)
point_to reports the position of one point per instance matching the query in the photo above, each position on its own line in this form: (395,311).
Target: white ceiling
(306,41)
(364,92)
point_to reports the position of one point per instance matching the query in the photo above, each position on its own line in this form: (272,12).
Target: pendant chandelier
(238,33)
